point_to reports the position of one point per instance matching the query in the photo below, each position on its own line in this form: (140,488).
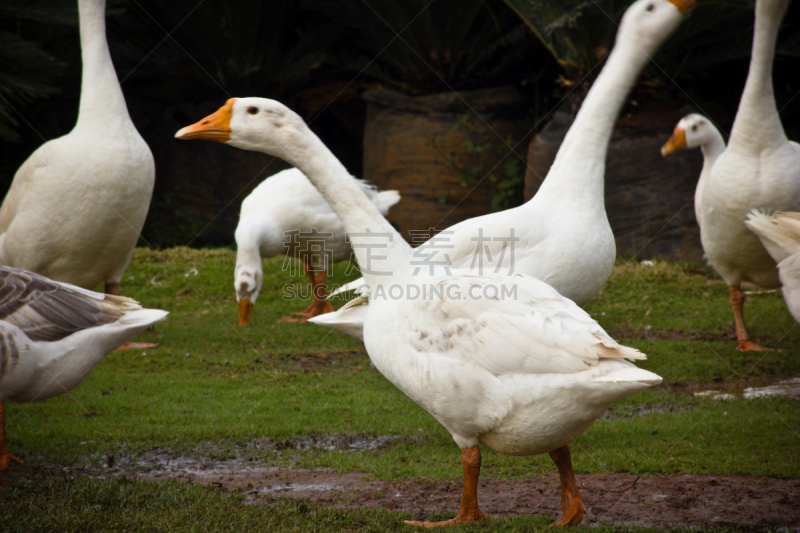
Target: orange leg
(742,337)
(309,270)
(572,507)
(319,304)
(469,511)
(5,456)
(113,288)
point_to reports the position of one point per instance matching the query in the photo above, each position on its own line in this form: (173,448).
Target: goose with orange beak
(758,170)
(697,131)
(284,215)
(525,374)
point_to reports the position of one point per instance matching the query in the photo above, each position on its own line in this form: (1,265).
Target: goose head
(256,124)
(247,282)
(691,132)
(649,22)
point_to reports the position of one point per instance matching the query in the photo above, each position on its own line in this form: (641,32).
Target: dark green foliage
(715,38)
(27,70)
(213,50)
(427,47)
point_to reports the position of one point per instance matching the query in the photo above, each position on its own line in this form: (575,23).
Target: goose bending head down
(499,360)
(286,215)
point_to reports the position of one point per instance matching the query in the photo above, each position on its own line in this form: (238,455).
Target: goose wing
(47,310)
(510,325)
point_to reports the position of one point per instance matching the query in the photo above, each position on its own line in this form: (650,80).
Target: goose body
(286,215)
(53,334)
(780,235)
(77,205)
(562,235)
(759,169)
(500,360)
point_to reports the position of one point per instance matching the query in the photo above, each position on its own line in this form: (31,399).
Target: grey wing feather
(48,311)
(9,351)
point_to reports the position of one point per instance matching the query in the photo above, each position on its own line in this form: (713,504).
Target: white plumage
(284,215)
(501,360)
(563,235)
(77,205)
(53,334)
(760,168)
(780,235)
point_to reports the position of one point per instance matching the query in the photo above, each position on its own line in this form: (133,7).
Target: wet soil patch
(787,386)
(310,362)
(621,412)
(656,500)
(675,335)
(686,500)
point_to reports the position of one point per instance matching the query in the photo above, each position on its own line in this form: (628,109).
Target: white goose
(502,360)
(561,235)
(694,131)
(286,215)
(77,205)
(759,169)
(780,235)
(53,334)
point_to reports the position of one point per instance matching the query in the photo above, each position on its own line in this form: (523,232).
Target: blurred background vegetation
(178,61)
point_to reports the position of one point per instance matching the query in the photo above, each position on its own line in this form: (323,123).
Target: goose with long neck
(759,169)
(286,215)
(694,131)
(53,334)
(500,360)
(562,235)
(77,205)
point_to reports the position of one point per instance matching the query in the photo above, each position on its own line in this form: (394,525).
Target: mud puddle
(210,459)
(656,500)
(789,388)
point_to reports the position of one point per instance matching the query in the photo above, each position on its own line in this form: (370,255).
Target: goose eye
(650,7)
(252,110)
(694,128)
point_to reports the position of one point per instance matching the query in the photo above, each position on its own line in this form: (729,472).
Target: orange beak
(215,127)
(245,307)
(675,143)
(683,5)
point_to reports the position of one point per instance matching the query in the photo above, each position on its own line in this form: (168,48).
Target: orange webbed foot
(572,512)
(750,346)
(6,460)
(466,517)
(293,320)
(136,345)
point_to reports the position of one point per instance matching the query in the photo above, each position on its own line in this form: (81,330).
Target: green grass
(212,388)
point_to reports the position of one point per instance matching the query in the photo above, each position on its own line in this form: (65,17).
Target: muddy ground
(686,500)
(655,500)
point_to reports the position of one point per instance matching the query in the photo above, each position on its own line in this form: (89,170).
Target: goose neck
(712,148)
(579,166)
(378,247)
(101,95)
(756,120)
